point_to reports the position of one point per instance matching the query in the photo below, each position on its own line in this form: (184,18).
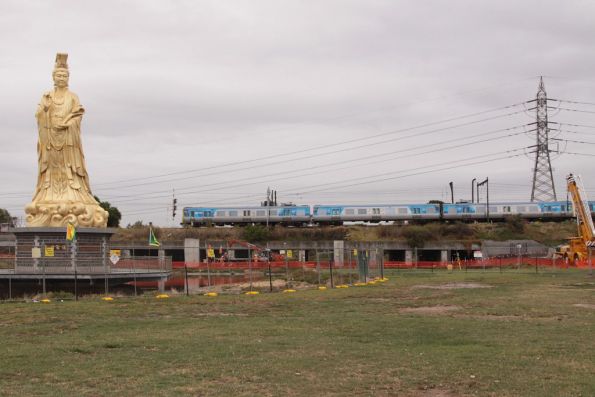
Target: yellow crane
(577,247)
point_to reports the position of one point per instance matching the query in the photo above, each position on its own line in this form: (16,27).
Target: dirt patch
(453,286)
(430,309)
(585,305)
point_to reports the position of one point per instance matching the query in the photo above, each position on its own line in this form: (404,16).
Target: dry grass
(528,335)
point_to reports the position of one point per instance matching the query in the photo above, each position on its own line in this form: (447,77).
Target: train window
(376,211)
(480,209)
(260,213)
(220,213)
(362,211)
(534,208)
(494,209)
(521,208)
(467,210)
(273,212)
(431,210)
(246,212)
(349,211)
(233,213)
(416,210)
(208,213)
(336,211)
(402,210)
(506,208)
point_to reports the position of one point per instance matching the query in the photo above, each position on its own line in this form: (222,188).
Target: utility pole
(486,182)
(543,180)
(472,190)
(452,192)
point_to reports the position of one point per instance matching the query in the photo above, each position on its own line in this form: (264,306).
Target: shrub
(416,236)
(255,233)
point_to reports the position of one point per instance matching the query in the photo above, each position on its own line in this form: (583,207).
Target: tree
(136,225)
(5,216)
(114,214)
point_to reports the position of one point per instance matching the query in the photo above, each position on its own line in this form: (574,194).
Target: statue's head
(60,73)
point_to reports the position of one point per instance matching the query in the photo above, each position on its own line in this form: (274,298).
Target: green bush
(256,233)
(416,236)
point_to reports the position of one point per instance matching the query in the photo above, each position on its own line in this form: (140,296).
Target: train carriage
(301,215)
(221,216)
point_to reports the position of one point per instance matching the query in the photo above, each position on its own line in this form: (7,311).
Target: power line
(569,140)
(575,102)
(420,173)
(287,173)
(571,110)
(335,143)
(580,154)
(483,160)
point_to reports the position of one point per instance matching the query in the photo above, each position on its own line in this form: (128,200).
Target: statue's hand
(46,101)
(61,126)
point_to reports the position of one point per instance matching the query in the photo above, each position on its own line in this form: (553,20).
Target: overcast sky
(324,101)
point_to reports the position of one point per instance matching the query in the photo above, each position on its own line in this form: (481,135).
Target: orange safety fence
(463,264)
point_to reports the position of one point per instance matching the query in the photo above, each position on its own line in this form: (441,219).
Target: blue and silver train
(303,215)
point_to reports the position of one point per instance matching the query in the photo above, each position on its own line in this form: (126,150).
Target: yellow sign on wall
(210,253)
(49,250)
(289,254)
(115,252)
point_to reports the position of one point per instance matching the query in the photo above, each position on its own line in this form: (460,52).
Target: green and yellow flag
(70,232)
(152,239)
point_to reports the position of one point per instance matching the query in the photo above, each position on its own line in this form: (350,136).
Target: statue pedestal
(45,250)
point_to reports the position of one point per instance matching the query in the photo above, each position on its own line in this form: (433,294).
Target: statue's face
(61,78)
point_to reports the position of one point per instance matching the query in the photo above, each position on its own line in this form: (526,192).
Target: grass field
(426,334)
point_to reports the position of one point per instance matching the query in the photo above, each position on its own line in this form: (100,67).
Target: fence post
(350,268)
(43,267)
(186,286)
(76,295)
(330,265)
(318,265)
(10,287)
(286,269)
(249,268)
(270,275)
(134,271)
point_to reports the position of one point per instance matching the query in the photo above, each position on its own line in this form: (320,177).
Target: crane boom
(578,247)
(586,229)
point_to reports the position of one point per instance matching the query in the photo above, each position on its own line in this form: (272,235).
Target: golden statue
(63,194)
